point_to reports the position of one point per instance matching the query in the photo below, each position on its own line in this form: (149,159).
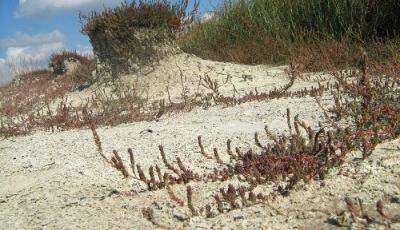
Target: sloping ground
(180,74)
(59,181)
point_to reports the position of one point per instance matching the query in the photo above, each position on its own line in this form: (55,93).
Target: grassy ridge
(259,31)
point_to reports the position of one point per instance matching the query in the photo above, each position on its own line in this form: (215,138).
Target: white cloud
(27,52)
(206,16)
(5,75)
(22,39)
(86,51)
(35,53)
(29,8)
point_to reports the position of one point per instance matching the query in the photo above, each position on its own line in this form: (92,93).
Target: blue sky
(33,29)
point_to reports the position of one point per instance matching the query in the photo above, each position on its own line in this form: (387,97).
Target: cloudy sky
(30,30)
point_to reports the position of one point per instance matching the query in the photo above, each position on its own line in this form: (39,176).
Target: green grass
(272,29)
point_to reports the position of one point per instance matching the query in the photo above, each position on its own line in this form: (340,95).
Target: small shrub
(146,14)
(34,75)
(79,74)
(57,61)
(83,73)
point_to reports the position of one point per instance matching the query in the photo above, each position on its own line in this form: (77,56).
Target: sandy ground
(184,74)
(59,181)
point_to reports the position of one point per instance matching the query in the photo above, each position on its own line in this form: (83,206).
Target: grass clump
(275,31)
(57,61)
(153,14)
(79,68)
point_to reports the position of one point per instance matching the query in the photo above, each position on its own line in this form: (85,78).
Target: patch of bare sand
(183,74)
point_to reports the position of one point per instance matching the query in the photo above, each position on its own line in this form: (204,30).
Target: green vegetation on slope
(276,31)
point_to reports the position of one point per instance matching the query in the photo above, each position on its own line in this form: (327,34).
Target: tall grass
(366,19)
(271,27)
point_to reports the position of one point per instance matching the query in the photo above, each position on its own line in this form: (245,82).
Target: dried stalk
(190,201)
(117,163)
(132,160)
(202,148)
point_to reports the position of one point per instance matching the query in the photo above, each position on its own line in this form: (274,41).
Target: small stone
(395,199)
(139,186)
(247,77)
(113,192)
(238,217)
(146,131)
(157,205)
(181,216)
(395,226)
(344,220)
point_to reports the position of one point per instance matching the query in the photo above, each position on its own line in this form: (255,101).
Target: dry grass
(25,102)
(146,14)
(21,96)
(57,61)
(123,104)
(356,212)
(319,54)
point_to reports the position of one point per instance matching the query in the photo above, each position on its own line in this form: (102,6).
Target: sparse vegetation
(78,67)
(357,213)
(124,104)
(363,86)
(373,113)
(26,101)
(58,60)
